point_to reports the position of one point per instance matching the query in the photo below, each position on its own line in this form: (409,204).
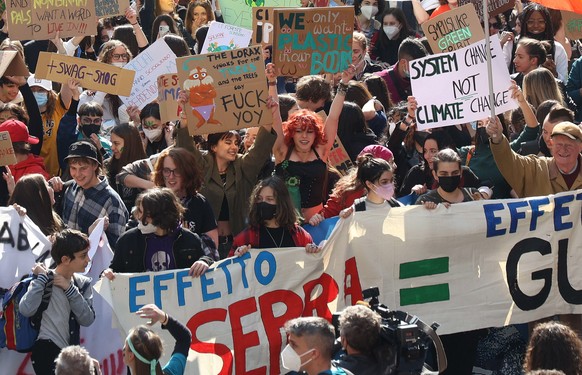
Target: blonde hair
(540,85)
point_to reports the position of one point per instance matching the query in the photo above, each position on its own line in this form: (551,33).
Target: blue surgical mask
(41,98)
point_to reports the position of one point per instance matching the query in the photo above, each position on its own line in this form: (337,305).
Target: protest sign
(7,156)
(339,158)
(108,8)
(228,90)
(494,7)
(239,12)
(42,19)
(572,24)
(223,37)
(262,26)
(463,94)
(91,74)
(168,91)
(11,64)
(157,59)
(474,265)
(454,29)
(312,40)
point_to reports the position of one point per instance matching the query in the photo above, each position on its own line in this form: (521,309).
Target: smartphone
(164,29)
(549,56)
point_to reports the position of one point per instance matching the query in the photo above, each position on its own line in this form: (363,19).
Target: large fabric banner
(463,86)
(473,265)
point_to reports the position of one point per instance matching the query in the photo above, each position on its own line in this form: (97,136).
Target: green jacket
(241,176)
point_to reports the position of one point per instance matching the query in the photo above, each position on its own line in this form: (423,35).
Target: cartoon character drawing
(214,47)
(202,94)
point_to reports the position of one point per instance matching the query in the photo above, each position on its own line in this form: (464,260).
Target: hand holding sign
(494,129)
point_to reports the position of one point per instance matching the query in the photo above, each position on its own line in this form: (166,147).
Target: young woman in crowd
(353,131)
(164,24)
(360,58)
(126,147)
(157,136)
(385,42)
(159,242)
(302,150)
(366,15)
(199,13)
(143,348)
(118,54)
(529,55)
(229,177)
(176,168)
(540,85)
(553,345)
(372,108)
(272,221)
(35,194)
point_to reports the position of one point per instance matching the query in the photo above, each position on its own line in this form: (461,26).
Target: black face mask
(449,183)
(266,211)
(481,137)
(90,129)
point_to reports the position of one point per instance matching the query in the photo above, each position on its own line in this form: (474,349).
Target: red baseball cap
(18,132)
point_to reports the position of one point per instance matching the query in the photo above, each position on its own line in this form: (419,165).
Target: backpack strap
(360,204)
(74,327)
(46,298)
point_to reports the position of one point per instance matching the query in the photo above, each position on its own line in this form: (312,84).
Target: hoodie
(32,164)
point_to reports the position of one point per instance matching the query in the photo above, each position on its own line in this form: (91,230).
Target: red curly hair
(304,119)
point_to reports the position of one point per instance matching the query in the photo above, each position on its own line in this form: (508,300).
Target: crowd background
(176,201)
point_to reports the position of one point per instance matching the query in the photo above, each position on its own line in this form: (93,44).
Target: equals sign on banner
(428,293)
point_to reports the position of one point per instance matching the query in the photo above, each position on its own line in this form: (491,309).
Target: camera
(404,339)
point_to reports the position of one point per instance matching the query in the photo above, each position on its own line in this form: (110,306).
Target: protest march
(320,187)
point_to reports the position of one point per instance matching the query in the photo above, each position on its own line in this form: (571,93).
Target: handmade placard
(454,29)
(108,8)
(339,158)
(223,37)
(263,26)
(239,12)
(42,19)
(494,7)
(168,91)
(227,90)
(11,64)
(312,40)
(157,59)
(572,24)
(463,86)
(91,74)
(7,156)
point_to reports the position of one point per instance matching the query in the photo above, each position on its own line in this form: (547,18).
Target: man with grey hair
(75,360)
(310,347)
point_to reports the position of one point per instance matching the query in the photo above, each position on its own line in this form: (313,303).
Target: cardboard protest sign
(157,59)
(93,75)
(168,91)
(454,29)
(11,64)
(494,7)
(108,8)
(227,90)
(42,19)
(339,158)
(7,156)
(239,12)
(223,37)
(312,40)
(462,82)
(572,24)
(470,266)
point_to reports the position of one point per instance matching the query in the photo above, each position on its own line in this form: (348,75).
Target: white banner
(451,266)
(156,60)
(453,88)
(224,37)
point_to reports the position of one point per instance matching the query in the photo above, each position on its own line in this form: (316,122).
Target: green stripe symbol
(424,294)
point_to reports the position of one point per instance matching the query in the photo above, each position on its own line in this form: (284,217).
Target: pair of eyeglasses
(120,56)
(167,172)
(90,121)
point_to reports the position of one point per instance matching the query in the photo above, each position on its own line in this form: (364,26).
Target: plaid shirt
(82,207)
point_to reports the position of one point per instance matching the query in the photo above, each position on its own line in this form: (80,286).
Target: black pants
(44,353)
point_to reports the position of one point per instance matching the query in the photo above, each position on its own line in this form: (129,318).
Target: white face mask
(119,64)
(291,360)
(391,31)
(146,229)
(369,11)
(153,134)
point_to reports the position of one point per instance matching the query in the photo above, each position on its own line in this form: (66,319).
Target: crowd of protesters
(175,201)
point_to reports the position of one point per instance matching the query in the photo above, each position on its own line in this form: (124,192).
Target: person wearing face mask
(310,347)
(157,136)
(385,42)
(159,242)
(479,158)
(366,14)
(52,107)
(272,221)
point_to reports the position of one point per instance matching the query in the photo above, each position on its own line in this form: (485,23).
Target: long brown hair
(132,148)
(149,345)
(285,214)
(554,346)
(186,166)
(31,193)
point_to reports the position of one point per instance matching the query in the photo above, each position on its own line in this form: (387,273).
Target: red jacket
(250,236)
(333,205)
(33,164)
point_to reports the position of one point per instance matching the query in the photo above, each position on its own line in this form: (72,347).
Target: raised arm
(142,40)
